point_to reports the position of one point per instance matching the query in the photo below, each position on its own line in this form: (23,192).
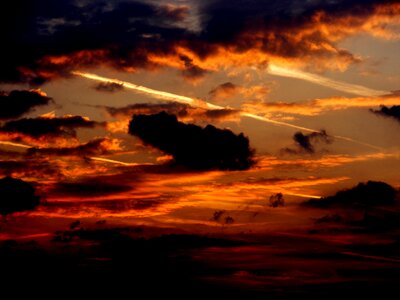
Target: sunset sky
(303,98)
(186,127)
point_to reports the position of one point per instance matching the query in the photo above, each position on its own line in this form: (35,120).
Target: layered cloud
(15,103)
(318,106)
(193,146)
(99,146)
(44,130)
(129,35)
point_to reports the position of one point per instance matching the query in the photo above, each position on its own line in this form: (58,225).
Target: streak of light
(324,81)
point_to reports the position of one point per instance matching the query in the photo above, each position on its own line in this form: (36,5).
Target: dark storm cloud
(193,146)
(38,127)
(369,194)
(95,147)
(109,87)
(45,39)
(390,112)
(306,142)
(16,103)
(16,196)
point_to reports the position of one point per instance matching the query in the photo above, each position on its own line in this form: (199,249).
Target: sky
(195,115)
(177,144)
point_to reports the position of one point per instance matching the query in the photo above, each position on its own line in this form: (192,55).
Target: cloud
(305,142)
(16,196)
(193,146)
(183,112)
(371,193)
(132,35)
(224,90)
(190,70)
(99,146)
(87,188)
(109,87)
(318,106)
(390,112)
(42,126)
(16,103)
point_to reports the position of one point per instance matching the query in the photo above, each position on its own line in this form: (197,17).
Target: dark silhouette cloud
(16,196)
(37,127)
(390,112)
(276,200)
(369,194)
(179,109)
(16,103)
(89,187)
(305,143)
(193,146)
(109,87)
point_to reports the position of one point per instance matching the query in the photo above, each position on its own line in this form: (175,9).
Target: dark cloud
(16,196)
(390,112)
(44,39)
(193,146)
(37,127)
(369,194)
(305,143)
(109,87)
(16,103)
(88,187)
(190,70)
(94,147)
(179,109)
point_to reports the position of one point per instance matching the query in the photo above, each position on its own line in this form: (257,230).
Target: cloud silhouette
(390,112)
(369,194)
(16,103)
(16,196)
(89,187)
(193,146)
(37,127)
(305,143)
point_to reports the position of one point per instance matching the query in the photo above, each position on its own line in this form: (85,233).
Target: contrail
(197,103)
(112,161)
(334,84)
(14,144)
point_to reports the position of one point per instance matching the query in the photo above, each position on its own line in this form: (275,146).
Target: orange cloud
(318,106)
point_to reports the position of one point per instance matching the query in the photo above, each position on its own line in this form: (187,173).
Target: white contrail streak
(117,162)
(317,79)
(201,104)
(14,144)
